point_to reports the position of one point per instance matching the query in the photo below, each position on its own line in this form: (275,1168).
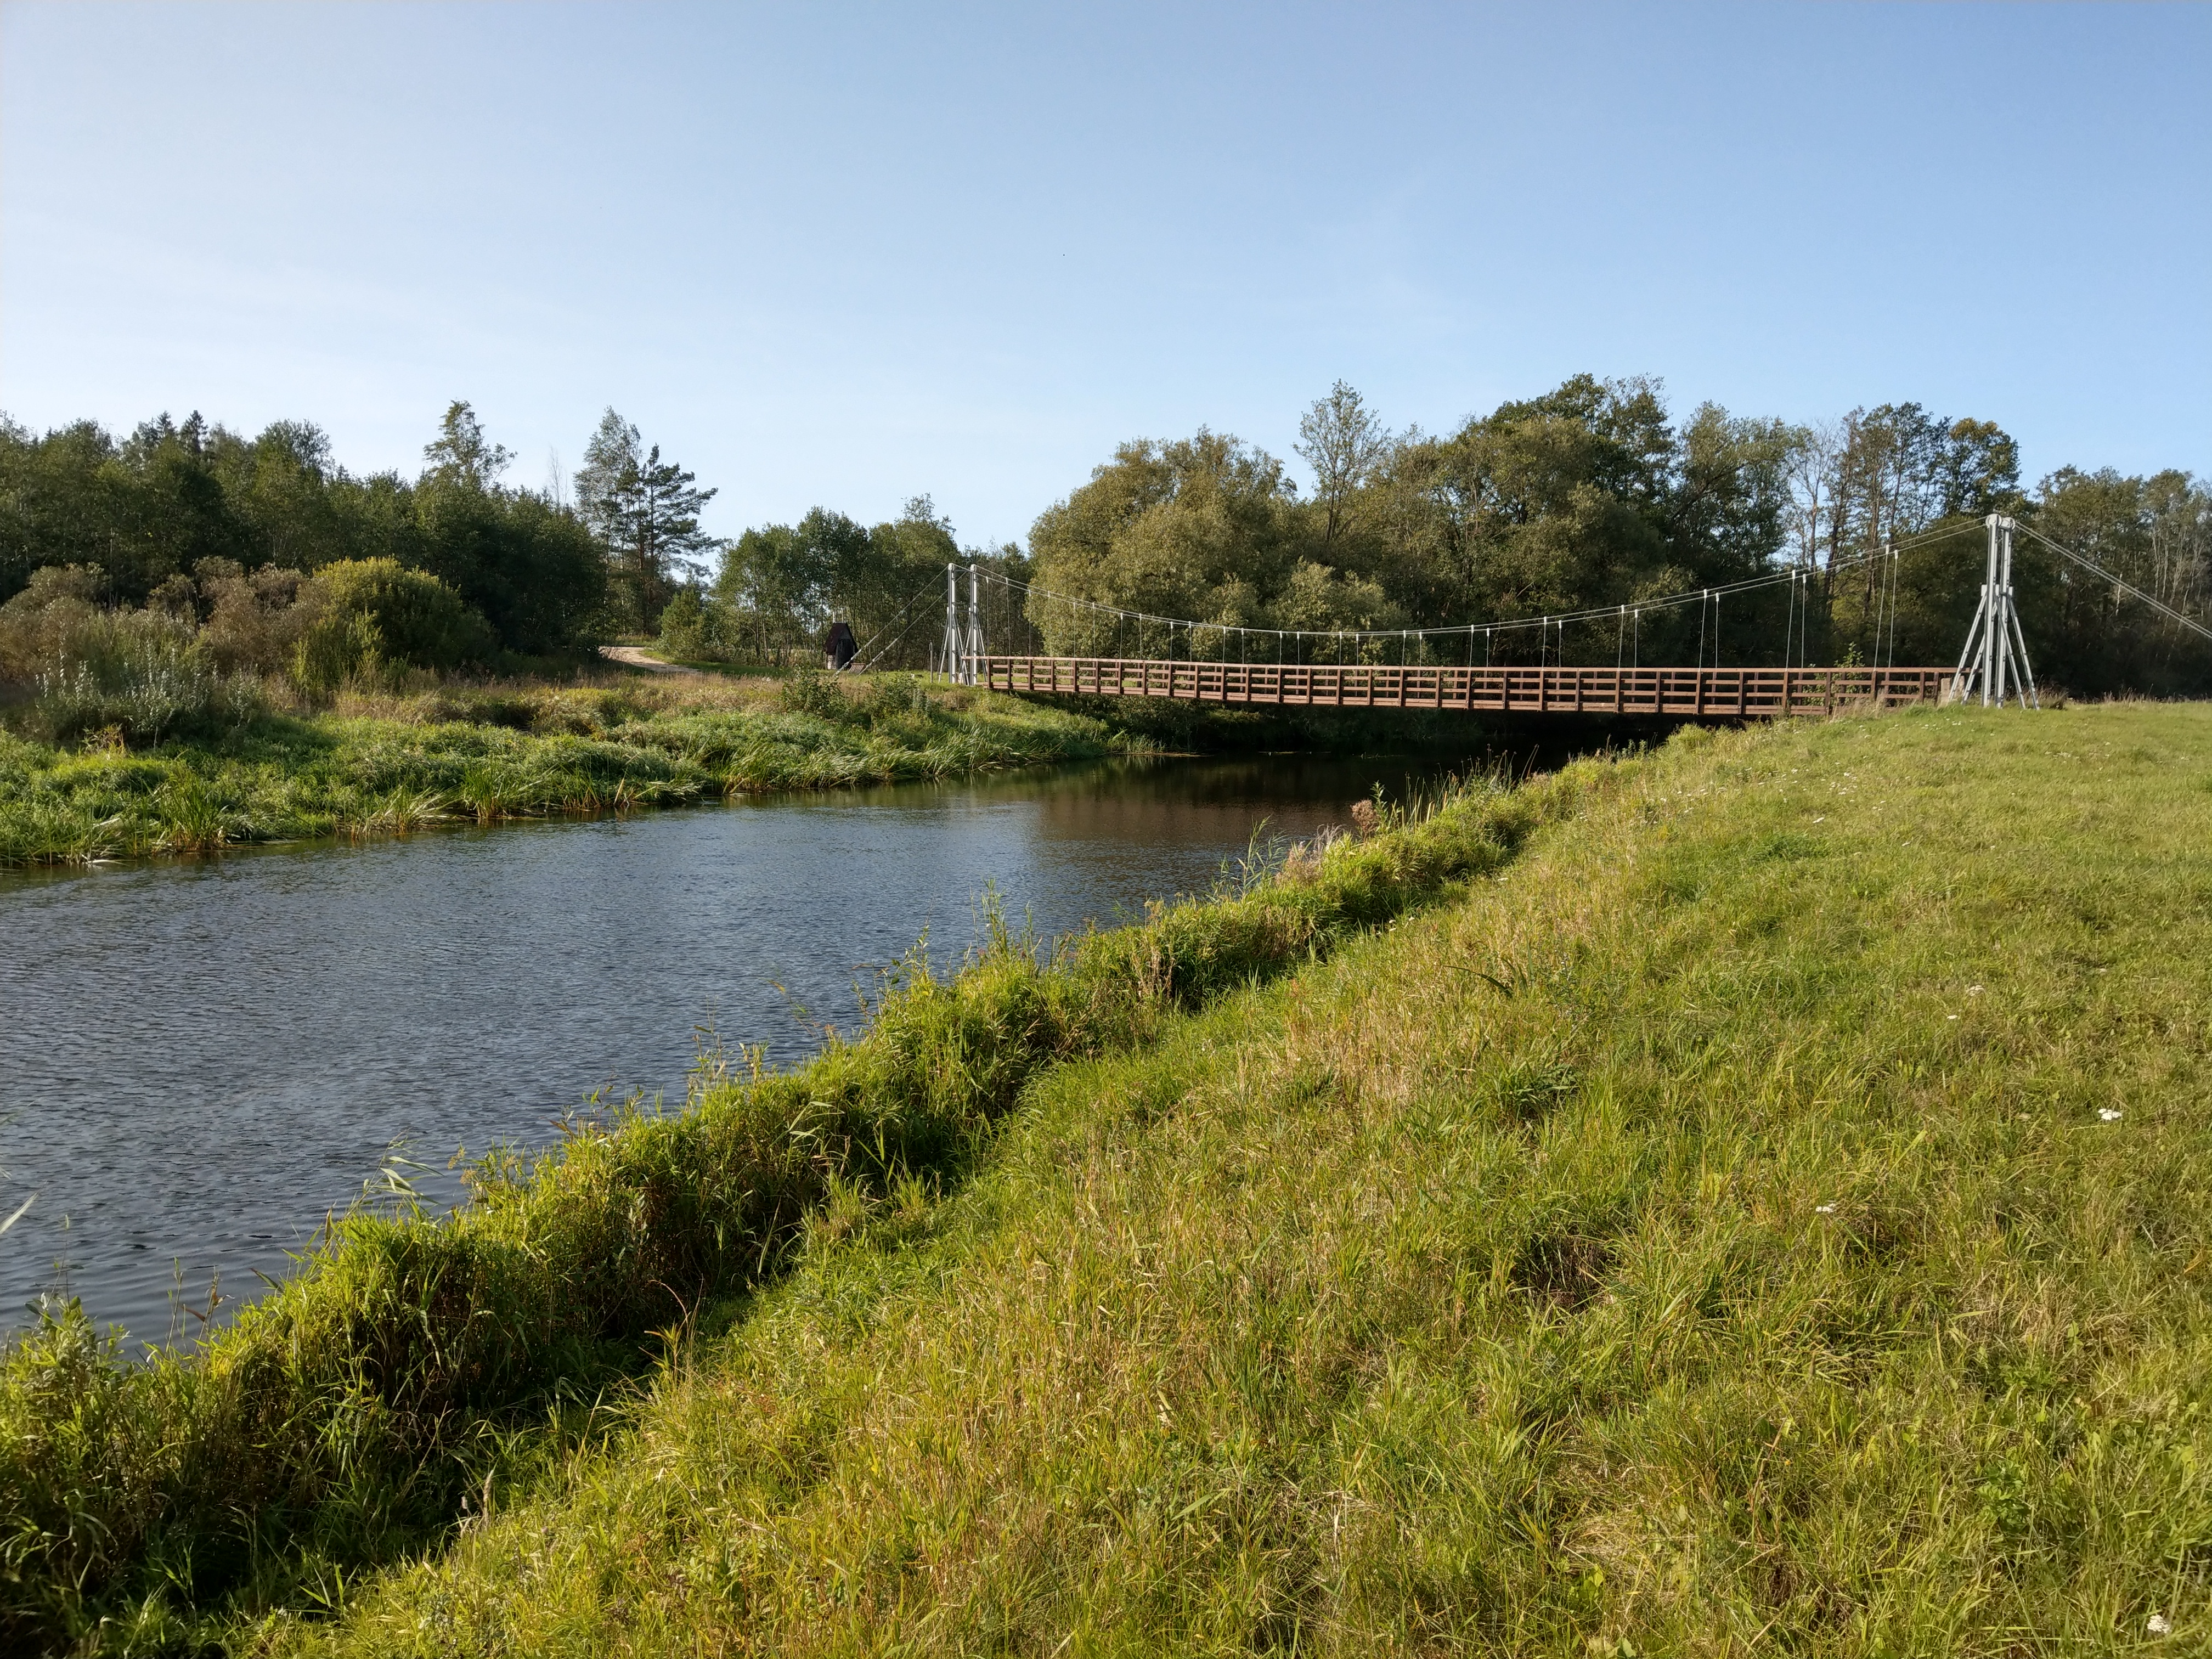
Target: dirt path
(631,656)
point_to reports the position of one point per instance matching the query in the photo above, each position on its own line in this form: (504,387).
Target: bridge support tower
(1993,665)
(973,649)
(963,626)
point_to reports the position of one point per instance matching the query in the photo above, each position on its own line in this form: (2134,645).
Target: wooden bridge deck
(1710,693)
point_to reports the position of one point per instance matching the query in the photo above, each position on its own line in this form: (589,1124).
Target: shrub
(146,674)
(689,631)
(378,615)
(140,674)
(255,621)
(884,697)
(143,672)
(36,624)
(812,691)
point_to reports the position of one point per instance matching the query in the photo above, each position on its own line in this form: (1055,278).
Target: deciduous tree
(1340,438)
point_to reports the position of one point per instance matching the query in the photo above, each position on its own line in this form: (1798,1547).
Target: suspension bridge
(1436,669)
(1695,693)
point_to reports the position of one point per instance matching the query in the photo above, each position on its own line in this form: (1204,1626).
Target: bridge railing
(1739,693)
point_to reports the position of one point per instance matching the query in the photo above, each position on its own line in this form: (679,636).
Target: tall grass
(346,1416)
(385,763)
(1768,1216)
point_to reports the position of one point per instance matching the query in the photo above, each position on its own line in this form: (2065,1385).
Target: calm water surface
(201,1059)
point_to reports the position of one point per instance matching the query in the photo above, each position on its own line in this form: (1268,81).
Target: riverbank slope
(1770,1212)
(1751,1194)
(386,764)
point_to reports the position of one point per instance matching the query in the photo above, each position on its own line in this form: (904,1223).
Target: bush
(35,626)
(254,621)
(689,632)
(810,690)
(893,698)
(378,614)
(192,654)
(141,672)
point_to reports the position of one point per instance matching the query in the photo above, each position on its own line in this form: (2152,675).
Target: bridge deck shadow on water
(1681,693)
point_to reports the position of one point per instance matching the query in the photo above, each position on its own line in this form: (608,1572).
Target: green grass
(386,766)
(1705,1235)
(416,1361)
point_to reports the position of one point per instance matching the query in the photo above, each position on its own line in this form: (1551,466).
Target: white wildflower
(2108,1114)
(2157,1624)
(1973,990)
(1824,1209)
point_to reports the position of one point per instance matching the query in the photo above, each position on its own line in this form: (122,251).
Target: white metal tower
(1994,664)
(955,634)
(972,648)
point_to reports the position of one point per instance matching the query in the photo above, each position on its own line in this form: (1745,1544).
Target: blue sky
(846,255)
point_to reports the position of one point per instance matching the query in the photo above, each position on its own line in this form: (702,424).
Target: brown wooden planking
(1744,693)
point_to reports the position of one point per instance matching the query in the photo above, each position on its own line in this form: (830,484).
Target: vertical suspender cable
(1892,580)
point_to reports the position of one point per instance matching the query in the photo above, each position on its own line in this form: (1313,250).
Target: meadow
(1750,1195)
(385,762)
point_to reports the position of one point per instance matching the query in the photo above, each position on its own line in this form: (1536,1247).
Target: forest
(188,548)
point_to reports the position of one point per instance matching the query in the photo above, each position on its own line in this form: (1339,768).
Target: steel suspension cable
(2103,575)
(1703,598)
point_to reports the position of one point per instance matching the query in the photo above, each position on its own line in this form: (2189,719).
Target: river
(203,1059)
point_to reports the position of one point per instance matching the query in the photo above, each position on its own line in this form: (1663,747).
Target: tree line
(184,576)
(544,576)
(152,509)
(1592,496)
(171,515)
(1595,497)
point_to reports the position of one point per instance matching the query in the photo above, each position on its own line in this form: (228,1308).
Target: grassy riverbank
(383,765)
(349,1415)
(1762,1205)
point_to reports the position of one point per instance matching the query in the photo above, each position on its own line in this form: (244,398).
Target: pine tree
(644,512)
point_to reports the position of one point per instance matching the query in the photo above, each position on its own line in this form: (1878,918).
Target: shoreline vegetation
(1749,1192)
(383,762)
